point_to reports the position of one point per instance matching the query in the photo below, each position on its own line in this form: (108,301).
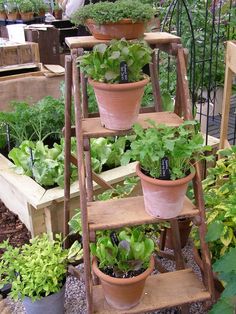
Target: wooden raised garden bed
(39,209)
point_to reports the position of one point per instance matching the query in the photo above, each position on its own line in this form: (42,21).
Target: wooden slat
(150,38)
(117,213)
(161,291)
(92,127)
(230,56)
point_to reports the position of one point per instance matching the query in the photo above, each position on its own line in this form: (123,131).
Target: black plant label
(114,238)
(165,170)
(124,72)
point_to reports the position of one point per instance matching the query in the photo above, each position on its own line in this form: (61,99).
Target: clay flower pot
(12,16)
(119,104)
(3,15)
(124,28)
(57,14)
(27,16)
(123,293)
(163,198)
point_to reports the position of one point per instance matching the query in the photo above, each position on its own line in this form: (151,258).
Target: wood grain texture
(150,38)
(92,127)
(116,213)
(161,291)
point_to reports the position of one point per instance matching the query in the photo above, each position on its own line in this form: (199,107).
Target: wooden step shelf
(160,291)
(151,38)
(92,127)
(130,211)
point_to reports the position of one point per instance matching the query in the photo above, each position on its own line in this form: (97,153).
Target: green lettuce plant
(26,6)
(131,251)
(105,12)
(103,63)
(35,270)
(181,145)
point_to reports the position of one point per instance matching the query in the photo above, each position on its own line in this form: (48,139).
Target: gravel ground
(75,293)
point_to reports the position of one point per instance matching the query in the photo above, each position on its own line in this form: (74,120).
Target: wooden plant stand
(164,290)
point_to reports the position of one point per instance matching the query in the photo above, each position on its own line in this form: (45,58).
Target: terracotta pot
(184,230)
(57,14)
(27,16)
(219,288)
(121,29)
(163,198)
(119,104)
(123,293)
(3,15)
(12,16)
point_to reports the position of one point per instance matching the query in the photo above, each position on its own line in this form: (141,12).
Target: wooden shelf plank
(129,211)
(161,291)
(150,38)
(92,127)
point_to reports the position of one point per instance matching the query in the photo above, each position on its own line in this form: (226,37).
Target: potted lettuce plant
(115,73)
(3,15)
(37,273)
(119,19)
(166,155)
(123,260)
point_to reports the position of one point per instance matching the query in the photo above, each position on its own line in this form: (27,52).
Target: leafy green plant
(131,252)
(105,12)
(225,268)
(103,63)
(2,7)
(180,145)
(37,122)
(11,6)
(40,5)
(26,6)
(220,201)
(35,270)
(45,165)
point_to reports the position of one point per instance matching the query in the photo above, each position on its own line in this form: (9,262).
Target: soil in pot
(52,304)
(123,293)
(163,198)
(119,104)
(122,29)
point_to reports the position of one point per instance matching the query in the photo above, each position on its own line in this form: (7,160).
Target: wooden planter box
(39,209)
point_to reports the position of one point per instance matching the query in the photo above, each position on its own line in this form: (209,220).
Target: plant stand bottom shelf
(161,291)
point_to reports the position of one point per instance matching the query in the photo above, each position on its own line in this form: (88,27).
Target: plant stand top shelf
(151,38)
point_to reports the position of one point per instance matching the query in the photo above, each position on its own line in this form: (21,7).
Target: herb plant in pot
(165,156)
(12,10)
(123,261)
(120,19)
(3,15)
(26,8)
(37,272)
(115,73)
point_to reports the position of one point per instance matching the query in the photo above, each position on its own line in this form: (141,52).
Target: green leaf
(215,231)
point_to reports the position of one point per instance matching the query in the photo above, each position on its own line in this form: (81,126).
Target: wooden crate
(42,210)
(19,56)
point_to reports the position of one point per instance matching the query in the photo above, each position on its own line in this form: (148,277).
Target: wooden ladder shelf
(178,288)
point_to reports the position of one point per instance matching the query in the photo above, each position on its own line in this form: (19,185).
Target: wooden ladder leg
(88,168)
(155,82)
(82,184)
(183,83)
(179,259)
(68,98)
(206,260)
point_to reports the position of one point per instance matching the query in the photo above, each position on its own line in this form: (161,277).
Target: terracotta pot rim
(164,182)
(117,86)
(123,281)
(122,21)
